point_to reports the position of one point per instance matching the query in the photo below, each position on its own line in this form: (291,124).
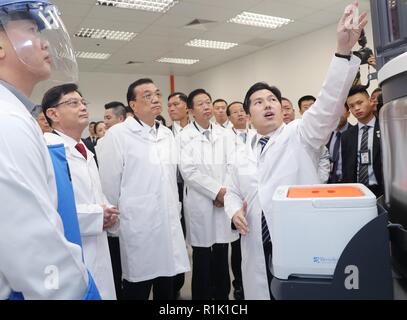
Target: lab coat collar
(198,130)
(273,137)
(33,109)
(71,143)
(143,129)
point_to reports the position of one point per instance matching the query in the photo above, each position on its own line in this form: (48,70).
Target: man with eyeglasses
(138,163)
(67,114)
(203,167)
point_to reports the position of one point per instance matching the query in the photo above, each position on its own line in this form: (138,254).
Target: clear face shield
(40,40)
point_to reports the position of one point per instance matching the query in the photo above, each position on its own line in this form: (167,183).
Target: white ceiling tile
(172,33)
(242,4)
(282,9)
(204,11)
(74,9)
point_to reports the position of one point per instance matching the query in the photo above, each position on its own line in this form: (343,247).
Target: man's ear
(52,114)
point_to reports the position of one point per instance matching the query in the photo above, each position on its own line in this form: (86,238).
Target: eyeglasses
(73,103)
(150,95)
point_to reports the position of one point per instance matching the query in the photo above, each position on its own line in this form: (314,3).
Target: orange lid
(325,192)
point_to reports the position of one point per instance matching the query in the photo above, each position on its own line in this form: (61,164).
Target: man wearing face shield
(40,253)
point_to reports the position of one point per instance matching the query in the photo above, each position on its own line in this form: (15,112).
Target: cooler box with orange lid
(311,226)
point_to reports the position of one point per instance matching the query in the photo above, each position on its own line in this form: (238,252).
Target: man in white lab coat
(238,136)
(66,111)
(219,111)
(179,115)
(36,260)
(138,163)
(263,164)
(203,167)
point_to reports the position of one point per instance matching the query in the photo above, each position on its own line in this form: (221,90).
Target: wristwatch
(344,56)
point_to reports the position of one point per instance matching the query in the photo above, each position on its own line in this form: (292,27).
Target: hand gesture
(240,221)
(372,61)
(348,34)
(220,198)
(110,216)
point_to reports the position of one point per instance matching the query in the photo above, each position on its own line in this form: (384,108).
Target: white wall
(101,88)
(297,67)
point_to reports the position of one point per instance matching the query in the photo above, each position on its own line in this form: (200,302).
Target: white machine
(311,226)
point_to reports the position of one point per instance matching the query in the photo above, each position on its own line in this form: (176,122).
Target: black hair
(306,98)
(286,99)
(162,119)
(96,125)
(193,94)
(129,110)
(379,105)
(228,108)
(134,85)
(377,90)
(117,107)
(358,89)
(53,95)
(220,100)
(92,122)
(257,87)
(180,95)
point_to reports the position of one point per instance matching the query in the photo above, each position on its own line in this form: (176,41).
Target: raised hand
(347,32)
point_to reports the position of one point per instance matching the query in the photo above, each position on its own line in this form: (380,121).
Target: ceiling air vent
(134,62)
(199,24)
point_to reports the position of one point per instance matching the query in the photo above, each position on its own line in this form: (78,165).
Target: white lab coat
(203,168)
(138,174)
(324,165)
(234,140)
(89,199)
(32,242)
(290,158)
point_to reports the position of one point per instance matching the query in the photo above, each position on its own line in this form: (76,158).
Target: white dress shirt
(371,124)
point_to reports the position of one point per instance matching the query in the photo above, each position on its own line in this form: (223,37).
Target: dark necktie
(81,148)
(364,147)
(335,158)
(243,135)
(265,233)
(263,141)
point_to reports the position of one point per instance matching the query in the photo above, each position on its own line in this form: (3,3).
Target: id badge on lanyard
(365,157)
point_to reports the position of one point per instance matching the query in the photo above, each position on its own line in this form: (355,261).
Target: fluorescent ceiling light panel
(260,20)
(92,55)
(105,34)
(145,5)
(178,60)
(209,44)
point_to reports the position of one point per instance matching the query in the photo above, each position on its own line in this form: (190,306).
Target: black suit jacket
(328,145)
(350,155)
(88,143)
